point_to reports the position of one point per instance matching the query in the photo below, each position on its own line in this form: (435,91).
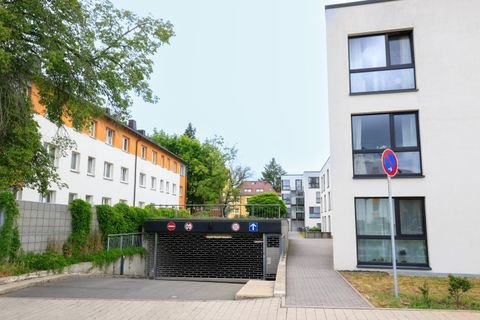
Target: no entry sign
(389,162)
(188,226)
(171,226)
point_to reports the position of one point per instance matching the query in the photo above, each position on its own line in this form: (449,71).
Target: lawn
(377,287)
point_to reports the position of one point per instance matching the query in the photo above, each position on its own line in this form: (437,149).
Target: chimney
(142,132)
(132,124)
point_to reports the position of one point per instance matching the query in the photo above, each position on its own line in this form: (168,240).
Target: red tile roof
(251,188)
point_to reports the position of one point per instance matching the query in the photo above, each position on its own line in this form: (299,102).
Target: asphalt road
(95,287)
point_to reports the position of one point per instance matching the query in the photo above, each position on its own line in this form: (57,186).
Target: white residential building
(404,74)
(111,163)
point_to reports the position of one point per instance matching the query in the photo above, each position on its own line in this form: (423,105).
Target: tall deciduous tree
(272,173)
(82,56)
(236,175)
(207,172)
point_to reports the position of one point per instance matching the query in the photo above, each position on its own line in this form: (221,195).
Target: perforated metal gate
(218,256)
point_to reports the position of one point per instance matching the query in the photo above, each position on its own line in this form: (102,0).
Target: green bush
(81,212)
(9,238)
(267,199)
(457,286)
(45,261)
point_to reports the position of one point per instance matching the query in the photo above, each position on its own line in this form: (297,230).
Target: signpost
(390,166)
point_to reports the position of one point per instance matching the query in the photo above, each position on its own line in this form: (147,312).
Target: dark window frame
(391,123)
(388,66)
(312,185)
(398,235)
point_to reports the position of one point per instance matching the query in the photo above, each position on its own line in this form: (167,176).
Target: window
(175,167)
(89,198)
(108,170)
(247,190)
(163,161)
(107,201)
(154,157)
(18,194)
(286,198)
(75,162)
(286,185)
(153,184)
(168,164)
(125,144)
(52,152)
(328,178)
(174,189)
(109,136)
(168,187)
(298,185)
(382,62)
(329,202)
(183,170)
(318,197)
(124,175)
(143,152)
(49,197)
(162,187)
(92,129)
(314,212)
(373,231)
(258,190)
(181,191)
(72,196)
(314,182)
(143,180)
(91,166)
(122,201)
(141,204)
(373,133)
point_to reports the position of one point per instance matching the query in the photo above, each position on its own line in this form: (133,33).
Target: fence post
(253,210)
(108,243)
(121,242)
(279,212)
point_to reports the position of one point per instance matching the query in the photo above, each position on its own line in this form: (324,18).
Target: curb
(14,286)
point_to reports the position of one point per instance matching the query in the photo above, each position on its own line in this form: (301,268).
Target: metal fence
(124,241)
(262,211)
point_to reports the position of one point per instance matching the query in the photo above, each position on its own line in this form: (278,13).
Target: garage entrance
(214,249)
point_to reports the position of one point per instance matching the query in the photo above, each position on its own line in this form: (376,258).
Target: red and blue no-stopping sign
(389,162)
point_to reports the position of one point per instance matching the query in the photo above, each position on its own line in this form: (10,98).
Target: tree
(81,56)
(190,131)
(272,173)
(207,171)
(236,175)
(267,205)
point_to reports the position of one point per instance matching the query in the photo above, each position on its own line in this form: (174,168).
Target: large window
(108,170)
(373,133)
(373,232)
(286,185)
(298,185)
(75,162)
(314,182)
(286,198)
(382,62)
(314,213)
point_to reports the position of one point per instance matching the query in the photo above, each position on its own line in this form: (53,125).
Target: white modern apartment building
(307,198)
(405,74)
(110,163)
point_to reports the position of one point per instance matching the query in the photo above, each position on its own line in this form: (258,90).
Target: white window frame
(72,196)
(107,201)
(162,185)
(174,189)
(167,187)
(92,129)
(89,198)
(154,157)
(92,167)
(143,152)
(50,198)
(108,170)
(153,183)
(125,144)
(124,175)
(109,136)
(142,180)
(76,168)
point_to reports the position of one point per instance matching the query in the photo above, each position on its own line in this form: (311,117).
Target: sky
(253,72)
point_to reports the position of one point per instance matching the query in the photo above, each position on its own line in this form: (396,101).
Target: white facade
(104,183)
(293,196)
(313,206)
(439,194)
(326,198)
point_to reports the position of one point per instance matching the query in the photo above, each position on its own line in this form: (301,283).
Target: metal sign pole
(392,236)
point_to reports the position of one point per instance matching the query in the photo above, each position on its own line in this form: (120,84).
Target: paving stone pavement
(311,280)
(258,309)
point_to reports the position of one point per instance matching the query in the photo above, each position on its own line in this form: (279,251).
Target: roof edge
(353,4)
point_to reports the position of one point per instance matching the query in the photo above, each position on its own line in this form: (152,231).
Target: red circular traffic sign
(171,226)
(188,226)
(389,162)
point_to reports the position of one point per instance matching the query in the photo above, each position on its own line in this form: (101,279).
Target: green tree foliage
(81,212)
(190,131)
(457,286)
(236,175)
(207,172)
(82,55)
(272,173)
(271,204)
(9,238)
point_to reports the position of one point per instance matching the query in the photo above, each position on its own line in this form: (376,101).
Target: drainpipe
(135,173)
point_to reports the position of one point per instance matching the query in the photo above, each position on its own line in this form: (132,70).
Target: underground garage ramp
(214,249)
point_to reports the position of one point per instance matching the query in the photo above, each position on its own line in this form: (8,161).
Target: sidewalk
(311,280)
(259,309)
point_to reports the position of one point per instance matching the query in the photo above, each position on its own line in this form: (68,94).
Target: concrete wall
(43,224)
(445,35)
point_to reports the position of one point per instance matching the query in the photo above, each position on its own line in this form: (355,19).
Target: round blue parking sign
(389,162)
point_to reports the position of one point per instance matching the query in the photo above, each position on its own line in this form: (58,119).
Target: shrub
(267,199)
(44,261)
(457,286)
(425,294)
(81,212)
(9,238)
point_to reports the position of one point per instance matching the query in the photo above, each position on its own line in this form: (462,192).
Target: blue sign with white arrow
(253,226)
